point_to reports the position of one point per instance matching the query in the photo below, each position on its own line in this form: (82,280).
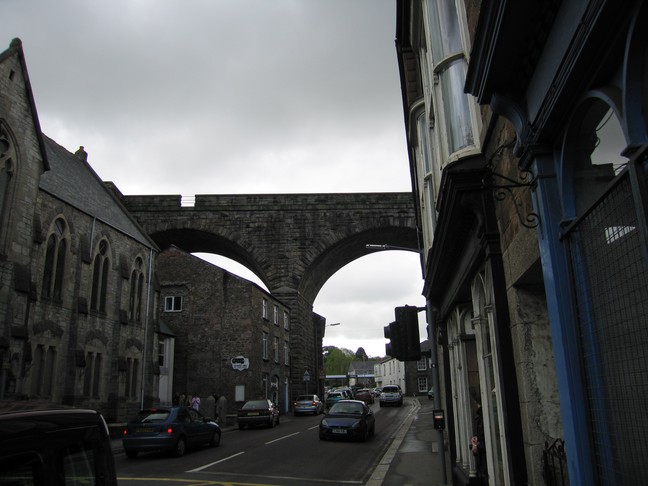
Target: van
(54,446)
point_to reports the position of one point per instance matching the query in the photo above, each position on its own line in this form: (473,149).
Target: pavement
(414,457)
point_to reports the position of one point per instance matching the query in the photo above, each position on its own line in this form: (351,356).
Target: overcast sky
(234,97)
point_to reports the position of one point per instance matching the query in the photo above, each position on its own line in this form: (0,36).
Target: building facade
(77,300)
(232,337)
(390,371)
(527,138)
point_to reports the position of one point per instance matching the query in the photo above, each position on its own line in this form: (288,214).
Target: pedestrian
(195,402)
(477,446)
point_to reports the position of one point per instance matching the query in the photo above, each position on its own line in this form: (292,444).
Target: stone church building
(91,313)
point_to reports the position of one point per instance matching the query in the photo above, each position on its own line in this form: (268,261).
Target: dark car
(258,412)
(172,429)
(45,447)
(365,395)
(348,419)
(308,404)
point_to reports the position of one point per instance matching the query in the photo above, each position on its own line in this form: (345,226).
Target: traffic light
(394,347)
(404,335)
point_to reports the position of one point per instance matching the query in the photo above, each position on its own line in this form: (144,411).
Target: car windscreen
(305,398)
(344,408)
(390,389)
(256,404)
(152,416)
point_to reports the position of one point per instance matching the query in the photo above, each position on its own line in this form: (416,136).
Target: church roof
(73,181)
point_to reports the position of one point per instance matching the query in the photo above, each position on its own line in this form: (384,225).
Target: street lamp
(391,247)
(334,324)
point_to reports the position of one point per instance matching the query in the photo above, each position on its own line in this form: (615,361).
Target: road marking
(281,438)
(314,427)
(198,469)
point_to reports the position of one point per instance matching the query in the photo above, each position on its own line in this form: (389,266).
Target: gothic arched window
(55,252)
(100,270)
(136,291)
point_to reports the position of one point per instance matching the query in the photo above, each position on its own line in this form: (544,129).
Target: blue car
(172,429)
(348,419)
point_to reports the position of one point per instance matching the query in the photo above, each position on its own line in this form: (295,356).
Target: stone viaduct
(292,242)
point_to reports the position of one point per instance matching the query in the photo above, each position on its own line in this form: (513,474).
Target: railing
(554,464)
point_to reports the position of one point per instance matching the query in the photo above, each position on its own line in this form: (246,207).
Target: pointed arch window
(55,253)
(100,269)
(7,161)
(136,291)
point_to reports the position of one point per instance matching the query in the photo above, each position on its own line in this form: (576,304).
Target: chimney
(82,154)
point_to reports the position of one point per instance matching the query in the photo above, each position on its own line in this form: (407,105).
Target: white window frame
(170,303)
(421,364)
(264,353)
(423,384)
(286,353)
(264,311)
(286,317)
(276,349)
(275,315)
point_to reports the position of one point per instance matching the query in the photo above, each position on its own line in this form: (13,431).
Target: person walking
(195,402)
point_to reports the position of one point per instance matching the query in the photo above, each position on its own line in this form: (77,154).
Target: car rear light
(169,430)
(313,403)
(125,432)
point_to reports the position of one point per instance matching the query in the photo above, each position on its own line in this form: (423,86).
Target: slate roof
(74,182)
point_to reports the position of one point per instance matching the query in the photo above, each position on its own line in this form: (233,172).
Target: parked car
(391,395)
(333,397)
(365,395)
(35,443)
(308,404)
(172,429)
(348,419)
(377,391)
(258,412)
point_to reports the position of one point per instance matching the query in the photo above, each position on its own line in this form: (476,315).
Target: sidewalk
(413,458)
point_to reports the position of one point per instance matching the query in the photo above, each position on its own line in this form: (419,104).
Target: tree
(361,354)
(337,360)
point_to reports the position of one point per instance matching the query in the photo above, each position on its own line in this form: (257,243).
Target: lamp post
(432,333)
(321,372)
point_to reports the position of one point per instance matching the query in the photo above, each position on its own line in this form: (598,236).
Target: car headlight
(356,424)
(324,423)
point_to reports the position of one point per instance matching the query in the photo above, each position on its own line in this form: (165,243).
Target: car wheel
(278,419)
(131,454)
(181,447)
(272,422)
(215,440)
(373,430)
(241,426)
(365,435)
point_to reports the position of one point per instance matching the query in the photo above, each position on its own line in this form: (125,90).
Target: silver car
(391,395)
(308,404)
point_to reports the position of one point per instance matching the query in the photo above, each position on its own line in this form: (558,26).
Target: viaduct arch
(292,242)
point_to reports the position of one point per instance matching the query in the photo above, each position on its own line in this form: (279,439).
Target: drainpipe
(432,333)
(146,326)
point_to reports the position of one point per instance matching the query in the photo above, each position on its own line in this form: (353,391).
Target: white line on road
(314,427)
(198,469)
(282,438)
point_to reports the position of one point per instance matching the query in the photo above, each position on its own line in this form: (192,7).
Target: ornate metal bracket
(503,186)
(502,191)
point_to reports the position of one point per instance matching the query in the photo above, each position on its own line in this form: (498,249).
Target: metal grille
(609,270)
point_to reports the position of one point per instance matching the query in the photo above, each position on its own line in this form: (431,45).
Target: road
(290,455)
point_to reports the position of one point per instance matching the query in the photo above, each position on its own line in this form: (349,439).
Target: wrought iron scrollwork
(503,186)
